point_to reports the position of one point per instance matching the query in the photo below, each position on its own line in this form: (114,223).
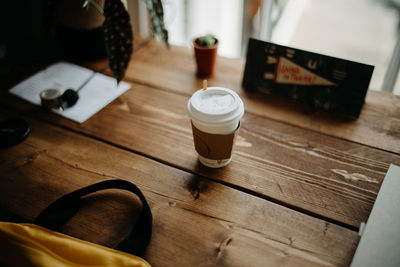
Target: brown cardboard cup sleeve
(214,146)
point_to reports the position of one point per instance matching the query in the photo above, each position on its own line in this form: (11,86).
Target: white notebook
(380,239)
(95,95)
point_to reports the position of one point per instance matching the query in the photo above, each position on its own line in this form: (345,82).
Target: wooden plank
(305,170)
(197,222)
(378,125)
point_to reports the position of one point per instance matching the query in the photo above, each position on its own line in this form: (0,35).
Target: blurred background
(365,31)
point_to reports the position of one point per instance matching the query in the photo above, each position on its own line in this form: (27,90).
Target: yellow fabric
(32,245)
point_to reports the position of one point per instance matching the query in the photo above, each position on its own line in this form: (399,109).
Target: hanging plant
(118,34)
(118,37)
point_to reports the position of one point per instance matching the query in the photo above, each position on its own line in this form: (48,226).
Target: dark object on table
(50,98)
(69,98)
(13,131)
(319,81)
(53,99)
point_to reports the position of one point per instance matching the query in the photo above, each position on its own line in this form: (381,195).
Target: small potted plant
(205,50)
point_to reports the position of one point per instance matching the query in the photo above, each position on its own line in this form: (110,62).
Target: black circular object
(13,131)
(69,98)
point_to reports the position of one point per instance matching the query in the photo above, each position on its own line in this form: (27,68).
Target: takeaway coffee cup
(215,114)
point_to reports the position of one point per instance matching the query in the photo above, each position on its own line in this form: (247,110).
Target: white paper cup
(215,115)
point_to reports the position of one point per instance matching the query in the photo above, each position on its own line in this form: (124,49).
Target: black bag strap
(57,213)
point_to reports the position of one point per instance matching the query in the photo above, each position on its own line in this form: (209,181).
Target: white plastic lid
(214,106)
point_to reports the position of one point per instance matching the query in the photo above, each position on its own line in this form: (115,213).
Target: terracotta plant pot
(205,58)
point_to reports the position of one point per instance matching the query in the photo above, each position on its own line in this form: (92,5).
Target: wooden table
(295,192)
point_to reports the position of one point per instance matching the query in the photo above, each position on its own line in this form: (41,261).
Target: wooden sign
(329,83)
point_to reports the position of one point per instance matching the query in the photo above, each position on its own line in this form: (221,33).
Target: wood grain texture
(197,222)
(174,70)
(303,169)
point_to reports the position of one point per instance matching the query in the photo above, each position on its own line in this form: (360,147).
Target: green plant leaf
(118,37)
(157,19)
(93,3)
